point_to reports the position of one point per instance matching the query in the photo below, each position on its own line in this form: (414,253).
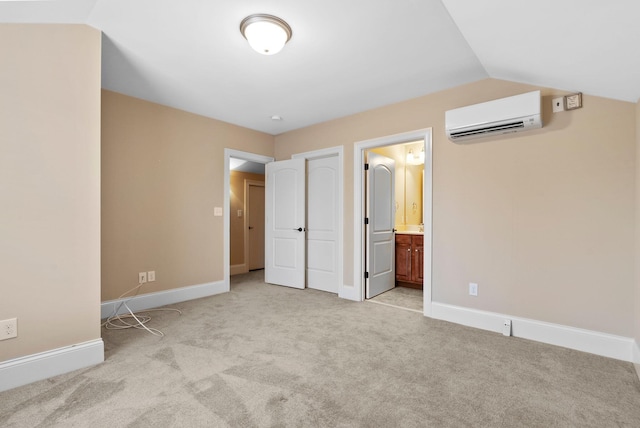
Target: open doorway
(335,191)
(423,136)
(405,232)
(246,215)
(238,161)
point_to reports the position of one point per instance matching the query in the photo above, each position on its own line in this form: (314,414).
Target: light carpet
(270,356)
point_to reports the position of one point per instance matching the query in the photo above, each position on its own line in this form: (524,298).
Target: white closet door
(285,223)
(322,224)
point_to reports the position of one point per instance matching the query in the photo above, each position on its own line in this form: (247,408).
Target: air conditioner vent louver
(488,130)
(502,116)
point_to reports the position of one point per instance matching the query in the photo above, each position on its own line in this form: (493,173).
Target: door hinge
(366,275)
(366,220)
(366,167)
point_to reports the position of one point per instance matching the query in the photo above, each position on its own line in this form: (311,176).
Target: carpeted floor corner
(270,356)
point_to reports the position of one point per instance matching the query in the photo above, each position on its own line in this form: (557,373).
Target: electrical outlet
(142,277)
(473,289)
(8,328)
(151,275)
(506,328)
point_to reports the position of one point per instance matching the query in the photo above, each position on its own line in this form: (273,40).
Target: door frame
(247,208)
(359,209)
(339,152)
(252,157)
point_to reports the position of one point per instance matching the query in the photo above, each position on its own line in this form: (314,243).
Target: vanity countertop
(409,232)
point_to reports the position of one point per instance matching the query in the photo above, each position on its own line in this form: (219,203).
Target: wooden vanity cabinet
(403,258)
(409,260)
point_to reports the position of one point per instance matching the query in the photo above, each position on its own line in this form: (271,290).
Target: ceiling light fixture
(266,34)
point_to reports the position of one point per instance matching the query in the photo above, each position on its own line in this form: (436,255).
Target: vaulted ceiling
(348,56)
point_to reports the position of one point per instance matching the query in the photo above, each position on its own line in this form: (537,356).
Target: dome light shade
(266,34)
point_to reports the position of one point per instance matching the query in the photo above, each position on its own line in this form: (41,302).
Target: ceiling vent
(503,116)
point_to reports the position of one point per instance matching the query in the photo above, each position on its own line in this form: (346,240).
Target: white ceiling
(242,165)
(348,56)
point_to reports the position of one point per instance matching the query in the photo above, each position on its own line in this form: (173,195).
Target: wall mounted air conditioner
(503,116)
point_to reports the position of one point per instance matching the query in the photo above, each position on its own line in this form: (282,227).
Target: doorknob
(250,227)
(299,229)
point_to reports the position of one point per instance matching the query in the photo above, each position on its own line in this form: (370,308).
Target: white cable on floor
(121,322)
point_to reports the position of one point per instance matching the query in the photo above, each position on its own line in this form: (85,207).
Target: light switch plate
(473,289)
(217,211)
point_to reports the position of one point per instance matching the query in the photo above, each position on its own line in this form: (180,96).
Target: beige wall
(637,236)
(236,224)
(541,220)
(162,176)
(49,185)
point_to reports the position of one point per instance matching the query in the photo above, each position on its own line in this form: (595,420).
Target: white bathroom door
(322,223)
(285,223)
(380,230)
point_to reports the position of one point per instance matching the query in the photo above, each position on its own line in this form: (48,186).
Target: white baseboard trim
(349,292)
(162,298)
(238,269)
(35,367)
(606,345)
